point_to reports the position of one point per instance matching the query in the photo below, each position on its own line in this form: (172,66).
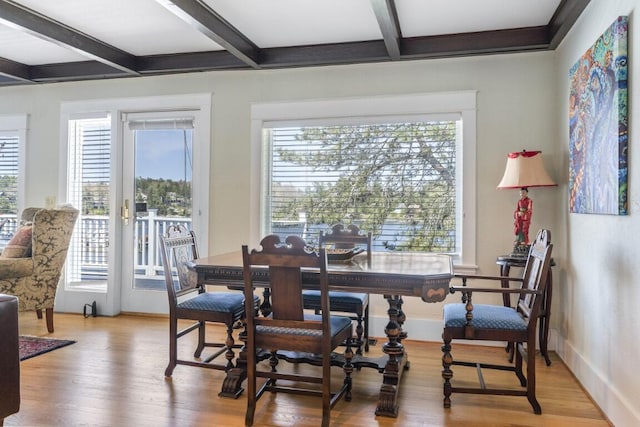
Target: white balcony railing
(92,243)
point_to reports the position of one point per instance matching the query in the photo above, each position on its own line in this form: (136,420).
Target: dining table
(394,275)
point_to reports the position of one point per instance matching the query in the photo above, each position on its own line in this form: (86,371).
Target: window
(88,188)
(12,144)
(395,179)
(392,165)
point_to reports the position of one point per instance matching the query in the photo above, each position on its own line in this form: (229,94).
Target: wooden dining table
(392,274)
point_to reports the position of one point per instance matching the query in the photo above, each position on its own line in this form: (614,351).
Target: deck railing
(90,243)
(148,258)
(92,238)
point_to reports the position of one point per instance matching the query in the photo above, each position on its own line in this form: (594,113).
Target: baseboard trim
(615,407)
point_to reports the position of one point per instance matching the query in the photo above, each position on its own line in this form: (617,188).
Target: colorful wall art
(598,125)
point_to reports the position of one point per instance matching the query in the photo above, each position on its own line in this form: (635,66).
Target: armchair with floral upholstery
(31,263)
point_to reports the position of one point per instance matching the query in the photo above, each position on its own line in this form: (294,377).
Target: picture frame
(598,125)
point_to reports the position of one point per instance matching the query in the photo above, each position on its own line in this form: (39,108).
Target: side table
(506,262)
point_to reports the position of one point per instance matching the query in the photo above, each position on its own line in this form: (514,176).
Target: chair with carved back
(468,321)
(289,329)
(354,303)
(189,300)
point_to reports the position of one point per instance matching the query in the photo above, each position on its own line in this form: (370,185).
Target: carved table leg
(232,384)
(401,319)
(397,359)
(265,307)
(447,374)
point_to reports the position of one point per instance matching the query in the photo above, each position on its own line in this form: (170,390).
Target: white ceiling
(146,28)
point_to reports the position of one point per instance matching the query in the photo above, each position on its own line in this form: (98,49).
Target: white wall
(598,319)
(517,109)
(514,99)
(522,103)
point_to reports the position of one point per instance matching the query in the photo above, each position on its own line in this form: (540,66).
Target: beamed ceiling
(69,40)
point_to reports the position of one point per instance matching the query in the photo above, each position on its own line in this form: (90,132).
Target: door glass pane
(89,189)
(163,183)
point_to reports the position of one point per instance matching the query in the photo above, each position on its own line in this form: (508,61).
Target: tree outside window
(396,180)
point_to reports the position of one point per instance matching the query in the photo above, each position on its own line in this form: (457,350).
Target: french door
(132,174)
(157,184)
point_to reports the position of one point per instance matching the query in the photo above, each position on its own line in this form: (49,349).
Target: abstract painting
(598,125)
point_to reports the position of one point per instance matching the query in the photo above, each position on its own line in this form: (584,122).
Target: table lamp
(524,169)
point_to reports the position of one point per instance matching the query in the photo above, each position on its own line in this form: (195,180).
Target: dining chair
(289,328)
(486,322)
(354,303)
(189,300)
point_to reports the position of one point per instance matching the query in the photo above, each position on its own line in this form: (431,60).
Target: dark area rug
(35,346)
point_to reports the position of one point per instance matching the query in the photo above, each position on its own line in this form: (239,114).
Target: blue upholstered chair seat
(313,297)
(222,302)
(338,324)
(484,317)
(345,302)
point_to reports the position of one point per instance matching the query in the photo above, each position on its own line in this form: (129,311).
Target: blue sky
(161,154)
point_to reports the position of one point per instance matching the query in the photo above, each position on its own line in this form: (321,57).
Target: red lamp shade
(525,169)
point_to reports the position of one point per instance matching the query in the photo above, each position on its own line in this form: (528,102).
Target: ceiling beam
(74,71)
(148,65)
(465,44)
(387,16)
(325,54)
(14,70)
(477,43)
(563,19)
(215,27)
(189,62)
(8,81)
(30,22)
(392,46)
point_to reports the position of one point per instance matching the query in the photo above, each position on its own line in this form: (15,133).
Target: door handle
(124,212)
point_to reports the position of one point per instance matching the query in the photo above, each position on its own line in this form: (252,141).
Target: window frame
(371,110)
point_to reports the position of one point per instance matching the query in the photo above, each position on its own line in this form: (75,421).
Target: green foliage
(170,198)
(8,202)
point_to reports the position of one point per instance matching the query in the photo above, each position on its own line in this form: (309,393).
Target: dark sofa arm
(9,357)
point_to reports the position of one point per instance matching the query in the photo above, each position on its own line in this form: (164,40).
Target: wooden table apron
(393,275)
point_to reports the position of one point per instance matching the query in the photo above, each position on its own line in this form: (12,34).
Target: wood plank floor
(113,376)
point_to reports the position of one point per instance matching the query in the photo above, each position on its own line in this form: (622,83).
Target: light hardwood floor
(113,376)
